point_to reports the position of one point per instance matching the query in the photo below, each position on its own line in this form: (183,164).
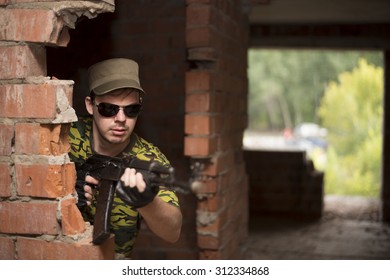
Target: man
(114,104)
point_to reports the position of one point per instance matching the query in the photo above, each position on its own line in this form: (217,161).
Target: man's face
(112,134)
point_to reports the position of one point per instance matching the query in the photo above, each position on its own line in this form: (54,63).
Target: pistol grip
(101,224)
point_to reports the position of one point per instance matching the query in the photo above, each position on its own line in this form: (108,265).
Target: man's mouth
(118,131)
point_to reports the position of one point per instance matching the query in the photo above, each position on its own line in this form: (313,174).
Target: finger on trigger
(141,185)
(128,177)
(125,176)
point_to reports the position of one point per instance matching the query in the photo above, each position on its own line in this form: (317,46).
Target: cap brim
(117,84)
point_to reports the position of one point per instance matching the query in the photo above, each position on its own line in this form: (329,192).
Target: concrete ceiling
(319,11)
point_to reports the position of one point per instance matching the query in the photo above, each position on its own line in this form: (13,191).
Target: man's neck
(103,147)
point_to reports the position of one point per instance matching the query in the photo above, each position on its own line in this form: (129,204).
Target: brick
(27,138)
(221,162)
(215,225)
(45,180)
(35,249)
(199,146)
(68,172)
(33,25)
(22,61)
(211,204)
(5,180)
(198,81)
(7,249)
(200,102)
(198,15)
(208,242)
(6,139)
(28,101)
(50,100)
(199,124)
(72,221)
(41,139)
(28,218)
(210,255)
(209,186)
(213,228)
(203,54)
(198,37)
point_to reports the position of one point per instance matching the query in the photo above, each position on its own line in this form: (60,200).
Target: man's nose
(121,115)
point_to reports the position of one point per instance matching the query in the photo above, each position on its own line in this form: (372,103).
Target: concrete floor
(350,229)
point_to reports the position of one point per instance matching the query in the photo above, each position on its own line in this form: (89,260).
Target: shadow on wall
(284,183)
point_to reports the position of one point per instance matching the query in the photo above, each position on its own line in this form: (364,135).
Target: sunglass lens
(107,109)
(132,111)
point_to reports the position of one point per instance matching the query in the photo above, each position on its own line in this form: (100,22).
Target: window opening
(328,103)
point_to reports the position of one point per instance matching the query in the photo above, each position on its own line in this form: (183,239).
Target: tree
(296,78)
(351,109)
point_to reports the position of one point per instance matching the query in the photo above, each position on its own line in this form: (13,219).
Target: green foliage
(286,86)
(352,110)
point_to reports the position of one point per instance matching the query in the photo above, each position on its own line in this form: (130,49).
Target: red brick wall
(216,90)
(39,218)
(192,57)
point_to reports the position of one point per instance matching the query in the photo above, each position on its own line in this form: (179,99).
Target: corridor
(350,229)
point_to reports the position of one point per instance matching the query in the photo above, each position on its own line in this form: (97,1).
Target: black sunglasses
(110,110)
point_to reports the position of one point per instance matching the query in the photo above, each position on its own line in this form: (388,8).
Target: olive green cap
(112,74)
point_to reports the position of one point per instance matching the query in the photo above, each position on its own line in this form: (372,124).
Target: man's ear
(89,105)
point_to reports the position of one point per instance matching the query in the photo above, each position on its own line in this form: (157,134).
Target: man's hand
(90,188)
(135,188)
(133,179)
(85,188)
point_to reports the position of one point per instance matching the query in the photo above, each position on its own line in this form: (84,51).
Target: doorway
(291,94)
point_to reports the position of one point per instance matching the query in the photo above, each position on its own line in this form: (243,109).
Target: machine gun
(109,170)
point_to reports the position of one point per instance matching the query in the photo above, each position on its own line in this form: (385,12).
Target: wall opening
(288,111)
(132,32)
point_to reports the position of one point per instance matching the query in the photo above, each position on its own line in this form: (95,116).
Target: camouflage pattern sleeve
(146,151)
